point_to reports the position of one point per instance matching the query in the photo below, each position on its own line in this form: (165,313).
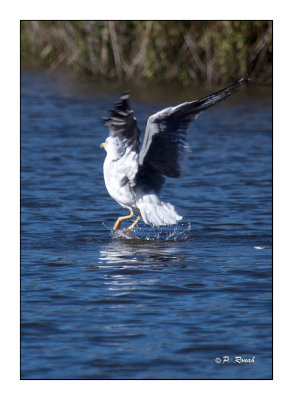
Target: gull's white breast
(119,175)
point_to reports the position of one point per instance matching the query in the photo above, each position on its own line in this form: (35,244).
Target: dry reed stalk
(139,58)
(174,69)
(193,48)
(115,48)
(90,40)
(104,50)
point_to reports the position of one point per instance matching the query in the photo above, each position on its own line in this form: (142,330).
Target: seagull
(134,177)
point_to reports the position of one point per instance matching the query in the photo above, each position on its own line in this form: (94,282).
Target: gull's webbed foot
(117,224)
(130,229)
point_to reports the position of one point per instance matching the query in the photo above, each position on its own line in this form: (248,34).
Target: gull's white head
(114,147)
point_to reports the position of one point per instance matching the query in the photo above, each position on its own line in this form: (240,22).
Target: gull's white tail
(156,212)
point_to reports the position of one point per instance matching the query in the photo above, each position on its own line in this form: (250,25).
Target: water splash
(174,233)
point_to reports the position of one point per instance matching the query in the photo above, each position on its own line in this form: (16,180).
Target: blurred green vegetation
(197,52)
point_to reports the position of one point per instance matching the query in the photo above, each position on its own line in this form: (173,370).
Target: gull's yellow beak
(102,146)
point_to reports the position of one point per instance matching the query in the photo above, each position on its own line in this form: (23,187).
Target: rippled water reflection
(168,301)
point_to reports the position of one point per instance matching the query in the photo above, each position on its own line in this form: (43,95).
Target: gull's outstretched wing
(165,136)
(122,122)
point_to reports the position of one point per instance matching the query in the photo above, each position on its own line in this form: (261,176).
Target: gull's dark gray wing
(122,122)
(165,136)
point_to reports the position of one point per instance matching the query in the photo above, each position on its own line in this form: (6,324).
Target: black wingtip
(247,77)
(123,103)
(125,95)
(242,80)
(122,109)
(228,90)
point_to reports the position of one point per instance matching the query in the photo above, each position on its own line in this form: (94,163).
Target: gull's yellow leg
(117,224)
(130,229)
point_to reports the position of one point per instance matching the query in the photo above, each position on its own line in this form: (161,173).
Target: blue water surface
(168,302)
